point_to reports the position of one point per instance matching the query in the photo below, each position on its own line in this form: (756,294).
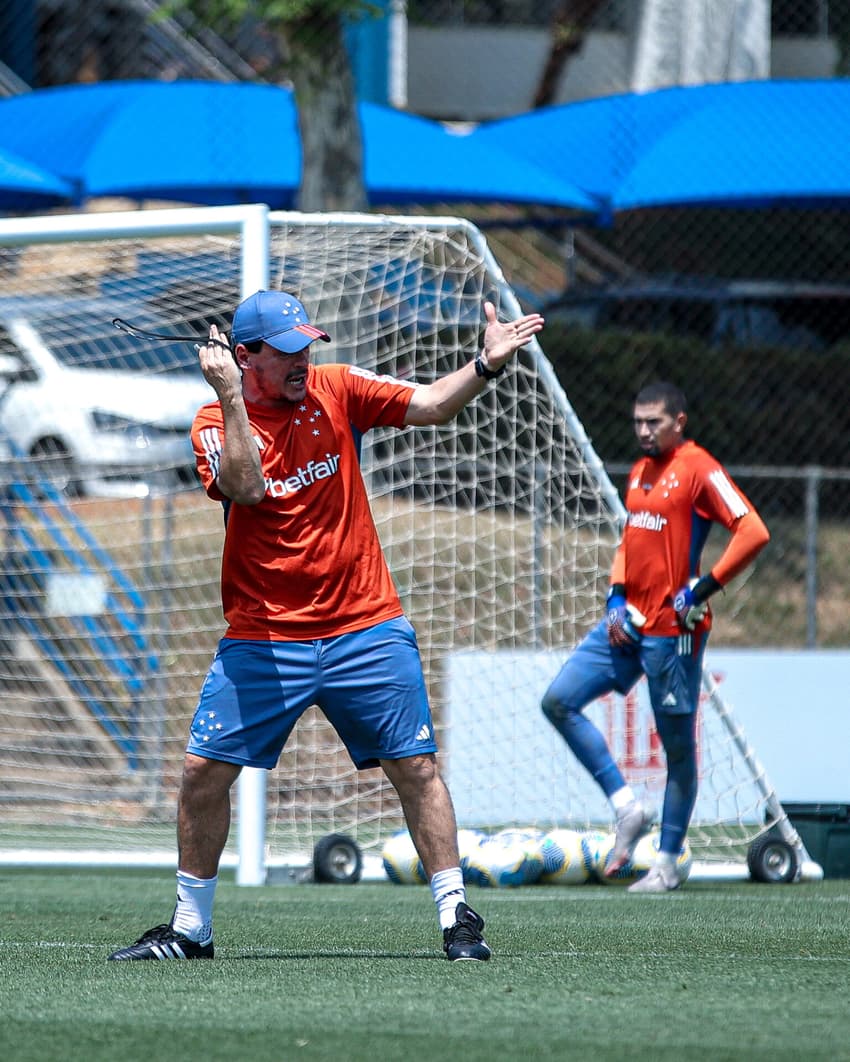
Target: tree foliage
(307,49)
(233,12)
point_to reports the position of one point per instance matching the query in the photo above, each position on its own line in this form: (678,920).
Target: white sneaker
(659,878)
(633,821)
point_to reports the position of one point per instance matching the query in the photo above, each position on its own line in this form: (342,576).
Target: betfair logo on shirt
(648,521)
(303,477)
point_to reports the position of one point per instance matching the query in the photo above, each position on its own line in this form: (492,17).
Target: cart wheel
(772,860)
(337,860)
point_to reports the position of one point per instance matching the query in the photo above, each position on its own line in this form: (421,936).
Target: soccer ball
(500,865)
(647,849)
(643,857)
(591,844)
(528,835)
(531,840)
(627,873)
(564,860)
(467,843)
(402,864)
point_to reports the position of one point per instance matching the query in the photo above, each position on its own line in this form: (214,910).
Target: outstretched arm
(441,401)
(240,475)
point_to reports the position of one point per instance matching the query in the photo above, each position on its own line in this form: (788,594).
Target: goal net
(498,529)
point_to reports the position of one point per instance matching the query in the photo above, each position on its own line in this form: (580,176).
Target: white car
(92,409)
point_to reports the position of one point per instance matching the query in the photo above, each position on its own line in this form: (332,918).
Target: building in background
(460,60)
(471,68)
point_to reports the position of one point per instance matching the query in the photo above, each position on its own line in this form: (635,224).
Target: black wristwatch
(483,371)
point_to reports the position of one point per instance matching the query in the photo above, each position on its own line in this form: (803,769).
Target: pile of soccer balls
(516,857)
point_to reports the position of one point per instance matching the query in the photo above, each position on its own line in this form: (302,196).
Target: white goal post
(499,530)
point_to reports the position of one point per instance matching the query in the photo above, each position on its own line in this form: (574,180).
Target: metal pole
(252,827)
(813,478)
(161,642)
(773,804)
(823,18)
(570,256)
(252,781)
(150,758)
(539,519)
(56,228)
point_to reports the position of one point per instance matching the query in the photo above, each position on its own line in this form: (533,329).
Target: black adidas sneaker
(463,940)
(164,942)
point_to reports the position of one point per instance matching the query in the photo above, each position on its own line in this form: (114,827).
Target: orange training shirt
(672,502)
(306,562)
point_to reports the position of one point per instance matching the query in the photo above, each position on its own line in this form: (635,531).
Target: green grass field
(715,971)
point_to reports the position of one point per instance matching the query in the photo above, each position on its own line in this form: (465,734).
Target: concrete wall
(480,72)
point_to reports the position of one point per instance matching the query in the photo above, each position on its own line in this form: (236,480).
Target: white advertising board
(794,706)
(506,764)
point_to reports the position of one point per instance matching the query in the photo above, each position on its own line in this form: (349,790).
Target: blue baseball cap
(278,319)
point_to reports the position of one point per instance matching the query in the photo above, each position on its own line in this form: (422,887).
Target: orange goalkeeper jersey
(306,562)
(672,501)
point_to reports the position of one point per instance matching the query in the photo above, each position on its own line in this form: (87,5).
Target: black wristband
(615,590)
(482,370)
(705,587)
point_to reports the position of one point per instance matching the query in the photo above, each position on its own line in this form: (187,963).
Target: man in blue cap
(313,615)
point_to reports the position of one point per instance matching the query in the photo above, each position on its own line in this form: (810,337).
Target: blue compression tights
(678,739)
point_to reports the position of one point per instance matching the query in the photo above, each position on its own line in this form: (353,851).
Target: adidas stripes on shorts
(673,669)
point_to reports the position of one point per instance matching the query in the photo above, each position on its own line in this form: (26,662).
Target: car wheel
(51,461)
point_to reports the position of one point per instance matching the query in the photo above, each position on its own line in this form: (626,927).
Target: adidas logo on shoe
(164,942)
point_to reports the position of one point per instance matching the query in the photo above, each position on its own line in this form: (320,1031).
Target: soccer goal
(499,531)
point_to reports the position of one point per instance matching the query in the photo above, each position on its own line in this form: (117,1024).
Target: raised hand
(502,339)
(218,365)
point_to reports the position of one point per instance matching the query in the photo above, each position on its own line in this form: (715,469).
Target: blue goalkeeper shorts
(369,684)
(673,669)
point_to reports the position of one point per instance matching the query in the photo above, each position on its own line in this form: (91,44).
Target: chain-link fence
(747,308)
(54,42)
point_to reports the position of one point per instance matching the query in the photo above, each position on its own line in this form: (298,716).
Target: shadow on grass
(326,953)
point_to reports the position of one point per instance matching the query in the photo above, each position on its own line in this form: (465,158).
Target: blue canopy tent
(207,143)
(593,143)
(411,159)
(215,143)
(212,143)
(751,145)
(732,144)
(25,186)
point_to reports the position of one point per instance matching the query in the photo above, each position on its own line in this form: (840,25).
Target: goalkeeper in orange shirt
(657,622)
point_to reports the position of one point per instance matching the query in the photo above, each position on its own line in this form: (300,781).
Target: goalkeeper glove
(624,620)
(691,602)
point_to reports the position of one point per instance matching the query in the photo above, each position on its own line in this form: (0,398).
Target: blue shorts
(369,684)
(673,669)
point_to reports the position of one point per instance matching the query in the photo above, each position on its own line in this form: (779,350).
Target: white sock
(193,913)
(622,798)
(448,891)
(666,860)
